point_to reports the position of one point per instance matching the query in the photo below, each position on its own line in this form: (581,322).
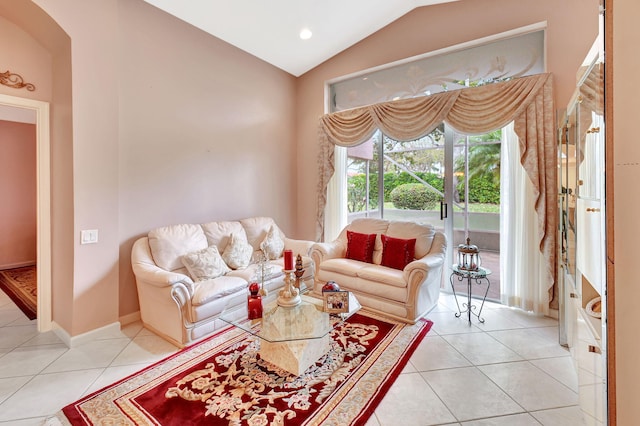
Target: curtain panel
(527,101)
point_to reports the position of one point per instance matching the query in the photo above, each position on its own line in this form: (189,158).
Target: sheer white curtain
(336,211)
(523,275)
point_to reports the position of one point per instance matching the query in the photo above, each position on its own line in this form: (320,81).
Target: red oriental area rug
(223,381)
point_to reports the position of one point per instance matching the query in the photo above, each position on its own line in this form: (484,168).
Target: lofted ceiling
(270,30)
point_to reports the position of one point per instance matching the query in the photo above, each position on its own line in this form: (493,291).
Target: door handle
(443,210)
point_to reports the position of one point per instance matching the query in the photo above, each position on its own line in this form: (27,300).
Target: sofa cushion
(423,233)
(219,233)
(273,244)
(215,288)
(205,264)
(360,246)
(238,252)
(342,266)
(368,226)
(169,243)
(397,252)
(257,229)
(378,274)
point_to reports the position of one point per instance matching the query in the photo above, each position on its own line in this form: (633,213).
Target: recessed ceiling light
(305,34)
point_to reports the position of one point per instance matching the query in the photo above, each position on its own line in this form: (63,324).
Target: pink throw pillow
(360,246)
(396,252)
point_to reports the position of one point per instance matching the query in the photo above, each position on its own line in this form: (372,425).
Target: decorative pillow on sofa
(396,252)
(205,264)
(272,245)
(360,246)
(237,254)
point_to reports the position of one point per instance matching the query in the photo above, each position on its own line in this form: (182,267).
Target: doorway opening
(43,257)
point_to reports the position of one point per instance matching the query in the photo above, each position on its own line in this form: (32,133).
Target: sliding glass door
(445,179)
(475,200)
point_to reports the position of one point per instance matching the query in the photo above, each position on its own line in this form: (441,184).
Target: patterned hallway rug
(21,286)
(223,381)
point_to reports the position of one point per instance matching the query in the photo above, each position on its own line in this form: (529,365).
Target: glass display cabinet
(582,235)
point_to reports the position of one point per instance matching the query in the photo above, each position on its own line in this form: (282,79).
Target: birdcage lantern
(468,256)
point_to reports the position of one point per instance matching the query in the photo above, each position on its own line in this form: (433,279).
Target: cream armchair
(402,292)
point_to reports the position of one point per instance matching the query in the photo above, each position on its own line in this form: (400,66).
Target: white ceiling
(270,30)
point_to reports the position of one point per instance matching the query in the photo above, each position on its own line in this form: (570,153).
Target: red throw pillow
(360,246)
(397,253)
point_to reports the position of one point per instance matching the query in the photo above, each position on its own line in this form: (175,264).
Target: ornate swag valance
(527,101)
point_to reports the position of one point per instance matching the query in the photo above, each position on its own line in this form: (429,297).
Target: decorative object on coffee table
(254,303)
(299,271)
(330,286)
(262,262)
(336,302)
(288,260)
(289,295)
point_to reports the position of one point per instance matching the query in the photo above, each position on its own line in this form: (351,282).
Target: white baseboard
(107,331)
(129,318)
(18,265)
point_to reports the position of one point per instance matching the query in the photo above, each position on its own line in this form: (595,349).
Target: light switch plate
(89,236)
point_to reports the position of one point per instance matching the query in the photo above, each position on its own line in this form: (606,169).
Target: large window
(403,180)
(514,54)
(449,180)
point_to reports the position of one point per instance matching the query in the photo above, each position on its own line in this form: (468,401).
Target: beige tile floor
(508,371)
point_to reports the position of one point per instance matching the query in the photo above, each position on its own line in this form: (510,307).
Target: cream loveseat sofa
(403,292)
(187,274)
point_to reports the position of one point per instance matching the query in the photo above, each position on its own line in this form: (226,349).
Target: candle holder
(289,296)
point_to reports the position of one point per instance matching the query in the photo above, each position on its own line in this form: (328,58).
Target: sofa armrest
(301,247)
(146,271)
(416,272)
(324,251)
(159,277)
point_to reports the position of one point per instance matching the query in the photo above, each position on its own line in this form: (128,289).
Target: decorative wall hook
(15,81)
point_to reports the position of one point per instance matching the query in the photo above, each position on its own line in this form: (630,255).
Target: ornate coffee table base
(295,356)
(291,337)
(281,325)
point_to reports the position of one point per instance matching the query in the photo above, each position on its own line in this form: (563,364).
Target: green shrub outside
(482,189)
(413,196)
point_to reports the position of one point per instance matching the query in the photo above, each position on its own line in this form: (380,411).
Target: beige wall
(572,28)
(92,299)
(23,55)
(206,132)
(626,168)
(156,116)
(17,194)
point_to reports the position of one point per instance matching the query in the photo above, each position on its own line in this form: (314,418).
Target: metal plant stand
(478,277)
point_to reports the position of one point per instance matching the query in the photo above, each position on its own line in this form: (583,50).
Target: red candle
(288,260)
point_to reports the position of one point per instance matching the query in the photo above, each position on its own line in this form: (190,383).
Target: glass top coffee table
(292,338)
